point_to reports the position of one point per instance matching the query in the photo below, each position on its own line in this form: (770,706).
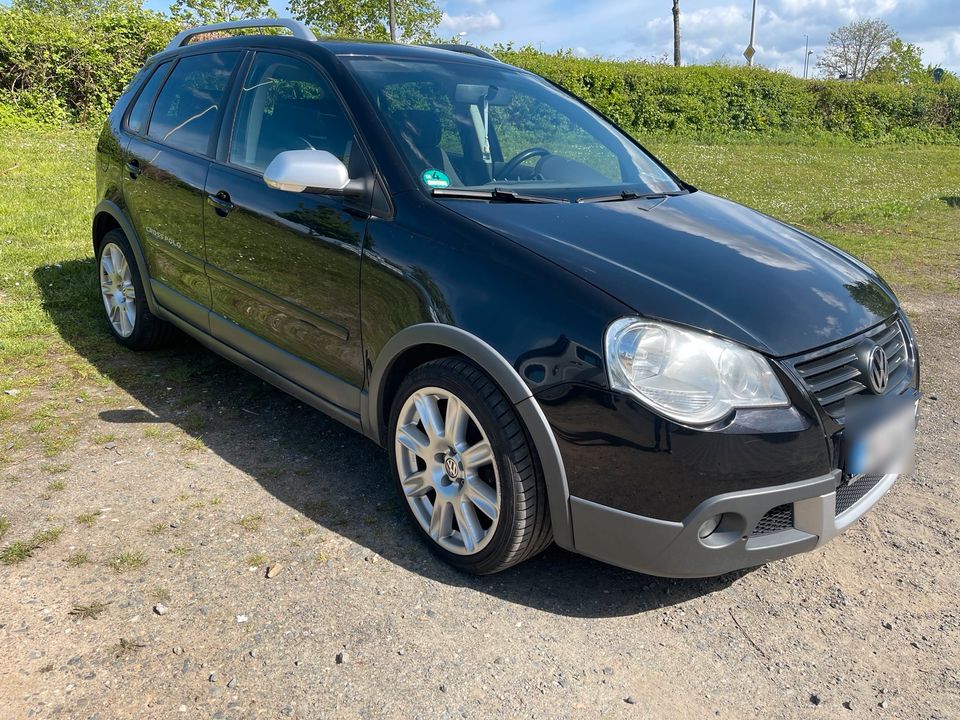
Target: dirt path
(360,622)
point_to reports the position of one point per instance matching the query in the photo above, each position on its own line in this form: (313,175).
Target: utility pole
(806,55)
(676,33)
(393,22)
(751,48)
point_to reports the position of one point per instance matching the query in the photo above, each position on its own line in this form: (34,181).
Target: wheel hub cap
(447,471)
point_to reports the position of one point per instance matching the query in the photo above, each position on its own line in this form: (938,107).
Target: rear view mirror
(474,94)
(297,170)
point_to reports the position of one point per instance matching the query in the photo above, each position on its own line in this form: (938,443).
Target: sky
(712,29)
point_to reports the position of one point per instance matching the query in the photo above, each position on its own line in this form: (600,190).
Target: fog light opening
(709,527)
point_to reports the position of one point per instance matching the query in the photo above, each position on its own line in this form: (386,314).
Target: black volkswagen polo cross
(554,337)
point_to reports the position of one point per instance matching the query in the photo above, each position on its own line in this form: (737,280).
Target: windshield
(479,127)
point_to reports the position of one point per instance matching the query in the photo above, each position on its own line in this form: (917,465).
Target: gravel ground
(268,571)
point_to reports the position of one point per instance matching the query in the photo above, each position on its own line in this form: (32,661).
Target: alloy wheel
(117,289)
(447,470)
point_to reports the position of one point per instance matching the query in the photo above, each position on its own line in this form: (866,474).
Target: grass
(21,550)
(56,485)
(250,522)
(4,526)
(88,518)
(128,560)
(256,560)
(77,559)
(88,612)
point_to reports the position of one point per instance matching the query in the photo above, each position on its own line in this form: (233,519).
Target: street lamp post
(807,52)
(393,22)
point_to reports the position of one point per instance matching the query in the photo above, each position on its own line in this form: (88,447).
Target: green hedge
(56,69)
(650,99)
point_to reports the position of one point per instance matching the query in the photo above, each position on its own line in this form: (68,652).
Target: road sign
(749,52)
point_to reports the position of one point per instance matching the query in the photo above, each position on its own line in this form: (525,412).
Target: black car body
(337,297)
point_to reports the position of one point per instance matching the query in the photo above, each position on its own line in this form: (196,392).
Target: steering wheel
(521,157)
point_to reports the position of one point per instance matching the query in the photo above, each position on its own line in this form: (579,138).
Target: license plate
(878,438)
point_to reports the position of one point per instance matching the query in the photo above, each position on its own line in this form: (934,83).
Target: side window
(285,104)
(186,109)
(140,112)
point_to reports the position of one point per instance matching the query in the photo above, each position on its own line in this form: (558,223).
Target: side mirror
(297,170)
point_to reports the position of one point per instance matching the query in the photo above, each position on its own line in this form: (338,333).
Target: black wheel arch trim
(461,342)
(116,212)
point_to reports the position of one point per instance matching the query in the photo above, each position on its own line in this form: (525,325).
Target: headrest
(420,127)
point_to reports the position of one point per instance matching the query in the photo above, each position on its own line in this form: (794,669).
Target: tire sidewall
(431,375)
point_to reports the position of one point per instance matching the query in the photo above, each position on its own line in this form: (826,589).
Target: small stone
(287,711)
(933,397)
(815,699)
(154,500)
(274,570)
(242,618)
(175,524)
(608,671)
(630,700)
(212,677)
(183,708)
(110,445)
(342,658)
(888,626)
(883,704)
(443,688)
(232,684)
(178,650)
(160,609)
(848,705)
(12,392)
(253,653)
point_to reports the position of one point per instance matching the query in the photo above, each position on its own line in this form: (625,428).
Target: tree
(856,49)
(902,64)
(78,8)
(676,32)
(370,19)
(207,12)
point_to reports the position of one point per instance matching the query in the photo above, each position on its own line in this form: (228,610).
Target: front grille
(831,375)
(778,519)
(850,495)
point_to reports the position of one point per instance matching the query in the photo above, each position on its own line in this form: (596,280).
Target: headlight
(688,376)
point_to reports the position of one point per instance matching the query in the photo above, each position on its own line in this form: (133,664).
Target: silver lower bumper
(817,516)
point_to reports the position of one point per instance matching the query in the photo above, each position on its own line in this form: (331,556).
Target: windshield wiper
(630,195)
(496,195)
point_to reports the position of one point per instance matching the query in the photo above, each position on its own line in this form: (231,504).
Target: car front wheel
(466,470)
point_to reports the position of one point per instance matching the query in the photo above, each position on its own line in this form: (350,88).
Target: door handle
(133,167)
(221,202)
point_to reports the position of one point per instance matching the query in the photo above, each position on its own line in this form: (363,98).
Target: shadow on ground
(952,201)
(334,476)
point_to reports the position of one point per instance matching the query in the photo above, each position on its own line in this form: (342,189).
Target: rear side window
(186,110)
(140,112)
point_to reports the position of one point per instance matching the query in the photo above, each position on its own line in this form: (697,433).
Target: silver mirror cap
(297,170)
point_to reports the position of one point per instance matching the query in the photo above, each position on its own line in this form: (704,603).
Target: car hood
(703,261)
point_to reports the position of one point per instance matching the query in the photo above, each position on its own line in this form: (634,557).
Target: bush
(57,68)
(717,100)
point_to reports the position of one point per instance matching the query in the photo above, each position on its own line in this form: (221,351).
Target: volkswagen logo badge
(878,371)
(452,468)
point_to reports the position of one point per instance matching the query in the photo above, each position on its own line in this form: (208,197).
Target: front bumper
(821,510)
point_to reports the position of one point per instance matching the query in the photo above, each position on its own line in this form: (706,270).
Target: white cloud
(472,22)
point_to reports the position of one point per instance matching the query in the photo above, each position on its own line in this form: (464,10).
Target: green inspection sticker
(435,179)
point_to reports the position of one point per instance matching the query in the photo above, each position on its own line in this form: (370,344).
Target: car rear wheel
(121,290)
(466,470)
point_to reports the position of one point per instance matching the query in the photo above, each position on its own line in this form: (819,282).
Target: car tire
(125,304)
(466,470)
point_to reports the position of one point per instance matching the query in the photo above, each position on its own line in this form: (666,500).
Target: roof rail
(297,28)
(466,49)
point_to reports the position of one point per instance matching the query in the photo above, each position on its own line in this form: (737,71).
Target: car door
(284,267)
(166,168)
